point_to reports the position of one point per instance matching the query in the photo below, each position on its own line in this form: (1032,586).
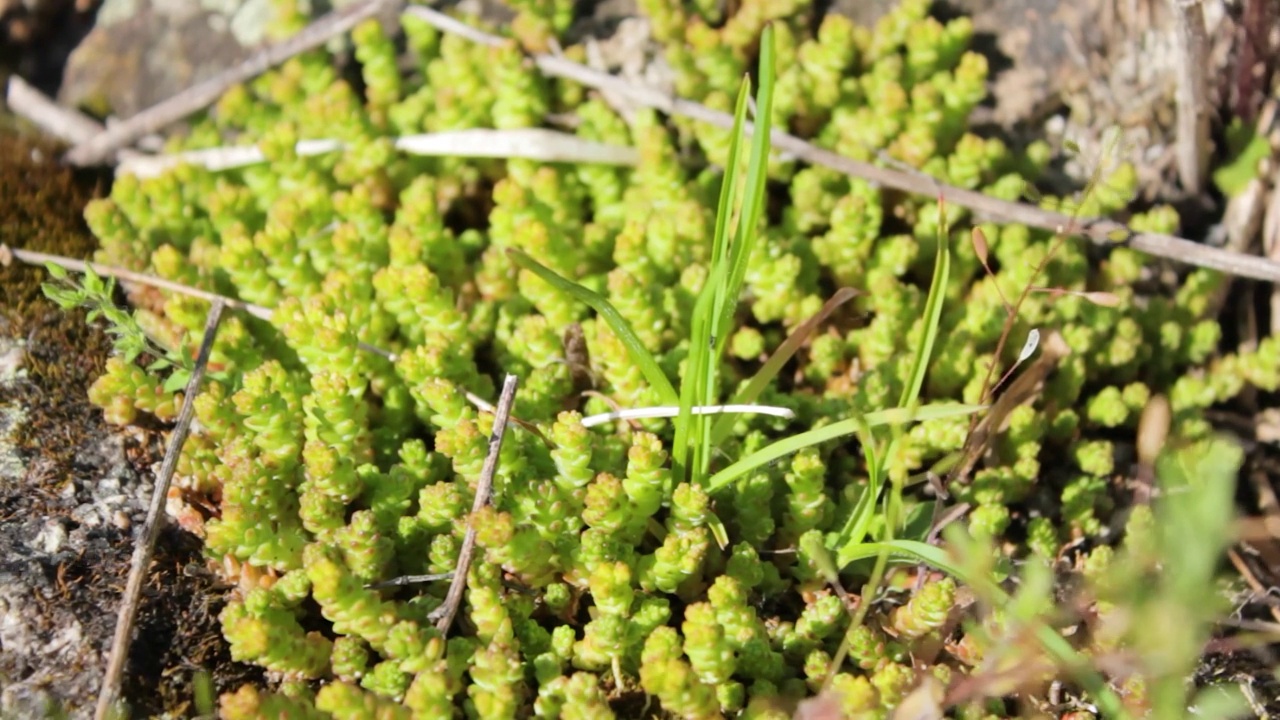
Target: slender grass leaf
(697,385)
(692,385)
(932,314)
(858,523)
(803,440)
(904,551)
(636,349)
(747,231)
(728,187)
(711,323)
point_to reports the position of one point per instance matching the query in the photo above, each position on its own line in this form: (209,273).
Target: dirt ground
(73,491)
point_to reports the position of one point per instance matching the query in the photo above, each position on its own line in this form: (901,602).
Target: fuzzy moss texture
(600,590)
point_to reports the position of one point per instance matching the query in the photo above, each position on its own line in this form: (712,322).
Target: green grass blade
(729,186)
(753,201)
(932,314)
(779,358)
(858,523)
(713,313)
(636,349)
(697,387)
(796,443)
(693,390)
(904,551)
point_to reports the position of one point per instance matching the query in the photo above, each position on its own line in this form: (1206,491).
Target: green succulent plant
(694,556)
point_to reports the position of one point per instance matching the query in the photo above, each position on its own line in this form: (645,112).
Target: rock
(144,51)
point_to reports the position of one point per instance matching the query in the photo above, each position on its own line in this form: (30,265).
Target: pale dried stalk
(670,411)
(31,257)
(1271,243)
(34,106)
(444,614)
(528,143)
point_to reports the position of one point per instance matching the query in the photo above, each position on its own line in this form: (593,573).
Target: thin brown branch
(201,95)
(445,614)
(1193,98)
(143,551)
(31,257)
(1100,230)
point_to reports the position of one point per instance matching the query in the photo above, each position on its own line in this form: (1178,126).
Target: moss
(62,354)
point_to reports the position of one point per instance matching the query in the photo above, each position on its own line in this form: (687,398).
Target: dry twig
(203,94)
(31,257)
(143,551)
(444,614)
(61,122)
(1100,230)
(1025,388)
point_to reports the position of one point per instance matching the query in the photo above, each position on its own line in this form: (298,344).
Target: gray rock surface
(56,530)
(143,51)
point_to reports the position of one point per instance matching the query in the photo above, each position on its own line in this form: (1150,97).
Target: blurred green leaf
(1247,150)
(1195,511)
(177,381)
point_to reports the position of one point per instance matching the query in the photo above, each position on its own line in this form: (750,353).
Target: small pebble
(12,358)
(87,515)
(52,536)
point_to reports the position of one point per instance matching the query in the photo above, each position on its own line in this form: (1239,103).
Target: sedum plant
(697,560)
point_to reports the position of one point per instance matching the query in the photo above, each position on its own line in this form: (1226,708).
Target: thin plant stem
(31,257)
(145,548)
(1192,147)
(670,411)
(61,122)
(445,614)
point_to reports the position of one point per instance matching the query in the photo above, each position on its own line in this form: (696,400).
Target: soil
(73,491)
